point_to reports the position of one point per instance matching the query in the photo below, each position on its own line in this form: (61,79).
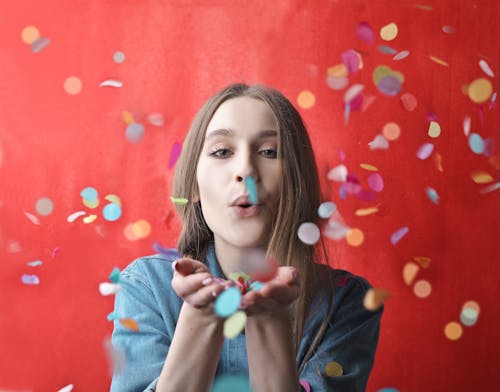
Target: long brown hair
(298,202)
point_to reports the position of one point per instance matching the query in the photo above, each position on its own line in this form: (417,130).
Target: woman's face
(241,141)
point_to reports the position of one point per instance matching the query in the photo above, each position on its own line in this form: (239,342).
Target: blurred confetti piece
(438,61)
(366,211)
(231,383)
(422,289)
(166,252)
(434,129)
(438,159)
(409,101)
(365,33)
(423,261)
(90,218)
(90,204)
(114,199)
(338,173)
(432,194)
(13,246)
(227,302)
(306,99)
(234,324)
(339,70)
(252,190)
(490,188)
(179,201)
(130,324)
(174,154)
(35,263)
(111,83)
(399,234)
(389,31)
(73,85)
(466,125)
(106,288)
(387,49)
(305,385)
(495,161)
(336,83)
(156,119)
(448,29)
(29,34)
(89,194)
(476,143)
(481,177)
(355,237)
(352,92)
(335,230)
(75,215)
(112,212)
(116,357)
(469,316)
(55,251)
(389,389)
(333,369)
(33,218)
(134,132)
(453,330)
(379,143)
(44,206)
(410,272)
(39,44)
(308,233)
(141,228)
(30,279)
(391,131)
(389,85)
(425,151)
(67,388)
(374,298)
(369,167)
(376,182)
(118,57)
(326,209)
(352,61)
(486,68)
(480,90)
(114,276)
(127,117)
(401,55)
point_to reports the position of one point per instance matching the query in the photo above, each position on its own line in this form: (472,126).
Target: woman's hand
(193,282)
(274,296)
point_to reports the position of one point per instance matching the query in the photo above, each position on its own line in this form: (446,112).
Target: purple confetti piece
(398,234)
(169,253)
(389,85)
(425,151)
(489,147)
(40,43)
(387,49)
(365,33)
(30,279)
(352,61)
(174,154)
(376,182)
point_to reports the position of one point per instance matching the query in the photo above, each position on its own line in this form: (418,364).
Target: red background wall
(54,144)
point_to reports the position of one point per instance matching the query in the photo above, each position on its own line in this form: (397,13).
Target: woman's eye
(221,153)
(269,153)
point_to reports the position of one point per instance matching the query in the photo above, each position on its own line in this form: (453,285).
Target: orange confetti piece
(130,324)
(366,211)
(368,167)
(423,261)
(410,272)
(481,177)
(438,159)
(438,61)
(127,117)
(374,298)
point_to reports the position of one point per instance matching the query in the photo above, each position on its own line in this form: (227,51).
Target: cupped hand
(275,295)
(193,283)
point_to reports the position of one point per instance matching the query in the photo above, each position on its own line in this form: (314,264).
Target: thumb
(184,266)
(288,274)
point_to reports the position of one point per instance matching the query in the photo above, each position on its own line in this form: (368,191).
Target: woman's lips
(245,212)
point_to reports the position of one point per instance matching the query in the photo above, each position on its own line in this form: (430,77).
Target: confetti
(118,57)
(336,83)
(391,131)
(401,55)
(432,194)
(339,70)
(480,90)
(448,29)
(234,324)
(166,252)
(335,230)
(75,215)
(30,34)
(334,369)
(326,209)
(111,83)
(389,31)
(352,92)
(453,330)
(486,68)
(141,228)
(389,85)
(106,288)
(55,251)
(44,206)
(366,211)
(30,279)
(127,117)
(439,161)
(116,357)
(469,316)
(365,33)
(422,289)
(252,190)
(33,218)
(423,261)
(490,188)
(481,177)
(73,85)
(409,102)
(231,383)
(90,218)
(306,99)
(175,152)
(476,143)
(67,388)
(438,61)
(39,44)
(425,151)
(379,143)
(305,385)
(388,390)
(308,233)
(434,129)
(112,212)
(387,49)
(374,299)
(466,125)
(338,173)
(179,201)
(35,263)
(352,61)
(355,237)
(376,182)
(399,234)
(156,119)
(367,166)
(130,324)
(134,132)
(115,275)
(227,302)
(113,199)
(410,272)
(89,194)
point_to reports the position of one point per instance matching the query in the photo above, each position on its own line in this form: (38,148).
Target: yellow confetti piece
(374,298)
(235,324)
(334,369)
(90,218)
(72,85)
(453,330)
(389,31)
(422,289)
(410,271)
(481,177)
(306,99)
(141,228)
(367,166)
(366,211)
(114,199)
(30,34)
(424,7)
(438,159)
(434,129)
(480,90)
(179,201)
(355,237)
(127,117)
(90,204)
(438,61)
(130,324)
(338,71)
(128,232)
(423,261)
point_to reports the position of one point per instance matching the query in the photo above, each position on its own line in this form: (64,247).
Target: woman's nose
(246,168)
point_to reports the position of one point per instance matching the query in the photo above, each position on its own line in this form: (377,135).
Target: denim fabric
(147,297)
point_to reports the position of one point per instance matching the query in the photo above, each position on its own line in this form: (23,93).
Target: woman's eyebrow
(229,132)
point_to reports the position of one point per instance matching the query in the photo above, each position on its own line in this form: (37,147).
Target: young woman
(304,318)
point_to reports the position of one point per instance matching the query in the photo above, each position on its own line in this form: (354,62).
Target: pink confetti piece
(175,152)
(33,218)
(55,251)
(425,151)
(466,125)
(305,385)
(366,195)
(30,279)
(116,357)
(352,61)
(399,234)
(375,182)
(365,33)
(486,68)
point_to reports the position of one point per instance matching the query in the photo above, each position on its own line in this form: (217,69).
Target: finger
(283,294)
(287,274)
(187,285)
(204,296)
(186,266)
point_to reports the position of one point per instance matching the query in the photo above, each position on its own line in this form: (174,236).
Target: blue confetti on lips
(252,189)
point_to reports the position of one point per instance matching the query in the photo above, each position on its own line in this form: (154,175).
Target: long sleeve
(350,340)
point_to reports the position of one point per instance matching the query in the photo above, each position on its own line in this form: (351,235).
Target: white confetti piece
(338,173)
(466,125)
(75,215)
(379,143)
(308,233)
(486,68)
(326,209)
(106,288)
(111,83)
(335,230)
(352,92)
(67,388)
(156,119)
(33,218)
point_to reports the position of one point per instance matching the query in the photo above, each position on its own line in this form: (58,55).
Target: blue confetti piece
(347,112)
(30,279)
(89,194)
(398,234)
(112,316)
(432,194)
(476,143)
(256,286)
(228,302)
(115,275)
(112,212)
(252,190)
(231,383)
(169,253)
(386,49)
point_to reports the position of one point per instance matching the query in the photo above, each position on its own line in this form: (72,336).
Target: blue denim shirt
(147,297)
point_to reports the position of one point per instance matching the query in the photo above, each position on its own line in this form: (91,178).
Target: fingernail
(214,294)
(206,281)
(174,265)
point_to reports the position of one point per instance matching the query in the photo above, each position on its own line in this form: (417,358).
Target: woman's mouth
(247,210)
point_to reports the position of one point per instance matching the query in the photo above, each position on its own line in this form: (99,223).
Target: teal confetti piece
(432,194)
(252,189)
(112,316)
(115,275)
(227,302)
